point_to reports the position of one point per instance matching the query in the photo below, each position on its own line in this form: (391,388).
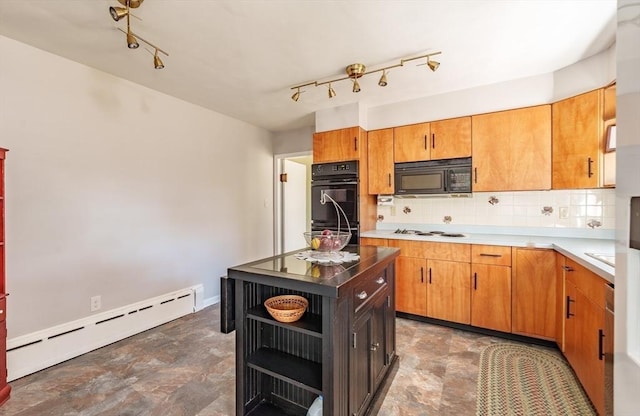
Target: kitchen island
(343,347)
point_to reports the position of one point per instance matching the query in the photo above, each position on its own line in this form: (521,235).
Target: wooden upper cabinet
(339,145)
(577,138)
(451,138)
(380,157)
(412,143)
(512,150)
(609,111)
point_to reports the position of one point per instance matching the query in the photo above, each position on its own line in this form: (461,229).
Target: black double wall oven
(340,181)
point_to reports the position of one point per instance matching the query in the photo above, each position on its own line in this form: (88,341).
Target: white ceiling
(240,57)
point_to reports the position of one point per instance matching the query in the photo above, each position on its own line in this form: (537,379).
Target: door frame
(278,162)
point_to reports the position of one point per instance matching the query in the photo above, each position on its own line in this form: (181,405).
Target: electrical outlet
(563,212)
(96,303)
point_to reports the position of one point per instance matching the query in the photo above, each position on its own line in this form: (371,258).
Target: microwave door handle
(447,174)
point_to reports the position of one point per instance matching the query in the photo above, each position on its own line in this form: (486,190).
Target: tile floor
(186,368)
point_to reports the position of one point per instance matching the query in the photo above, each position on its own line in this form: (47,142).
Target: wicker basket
(286,308)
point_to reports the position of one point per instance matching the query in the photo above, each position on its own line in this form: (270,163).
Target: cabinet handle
(475,175)
(490,255)
(425,142)
(380,280)
(354,337)
(421,275)
(567,268)
(433,140)
(374,346)
(600,344)
(475,281)
(589,171)
(569,301)
(389,180)
(355,143)
(429,275)
(362,295)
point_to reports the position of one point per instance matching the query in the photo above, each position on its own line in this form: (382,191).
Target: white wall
(116,190)
(627,295)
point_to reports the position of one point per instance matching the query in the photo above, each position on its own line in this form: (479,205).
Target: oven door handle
(336,182)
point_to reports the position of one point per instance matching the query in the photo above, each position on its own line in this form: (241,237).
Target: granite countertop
(573,248)
(287,270)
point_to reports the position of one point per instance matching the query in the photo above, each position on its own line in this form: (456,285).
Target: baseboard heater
(36,351)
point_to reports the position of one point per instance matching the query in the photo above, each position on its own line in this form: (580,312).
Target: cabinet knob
(380,280)
(362,295)
(1,311)
(375,346)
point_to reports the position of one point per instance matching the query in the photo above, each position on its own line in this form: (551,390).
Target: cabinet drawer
(431,250)
(3,308)
(496,255)
(589,283)
(367,290)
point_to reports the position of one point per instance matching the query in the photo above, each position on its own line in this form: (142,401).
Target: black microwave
(446,176)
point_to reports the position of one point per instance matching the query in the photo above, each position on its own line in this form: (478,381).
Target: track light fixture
(132,43)
(355,71)
(432,64)
(332,92)
(117,13)
(296,95)
(157,62)
(383,79)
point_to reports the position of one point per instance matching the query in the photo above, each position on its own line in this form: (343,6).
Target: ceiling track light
(332,92)
(117,13)
(355,71)
(296,95)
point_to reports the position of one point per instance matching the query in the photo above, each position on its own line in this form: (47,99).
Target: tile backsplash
(564,209)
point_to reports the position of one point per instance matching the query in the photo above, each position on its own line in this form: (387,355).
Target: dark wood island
(342,348)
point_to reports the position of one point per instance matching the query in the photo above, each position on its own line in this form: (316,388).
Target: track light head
(157,62)
(118,13)
(296,95)
(383,79)
(433,65)
(356,86)
(332,92)
(132,42)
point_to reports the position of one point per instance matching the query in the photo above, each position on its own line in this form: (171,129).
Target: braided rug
(518,379)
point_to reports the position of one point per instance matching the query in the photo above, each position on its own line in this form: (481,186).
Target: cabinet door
(571,340)
(534,293)
(577,134)
(411,143)
(360,377)
(590,352)
(411,288)
(380,157)
(338,145)
(512,150)
(449,291)
(378,345)
(491,297)
(451,138)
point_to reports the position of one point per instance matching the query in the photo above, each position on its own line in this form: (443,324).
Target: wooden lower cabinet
(584,329)
(367,241)
(491,297)
(448,291)
(411,287)
(491,287)
(534,306)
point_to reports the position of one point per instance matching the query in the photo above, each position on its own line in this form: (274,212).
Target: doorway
(293,200)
